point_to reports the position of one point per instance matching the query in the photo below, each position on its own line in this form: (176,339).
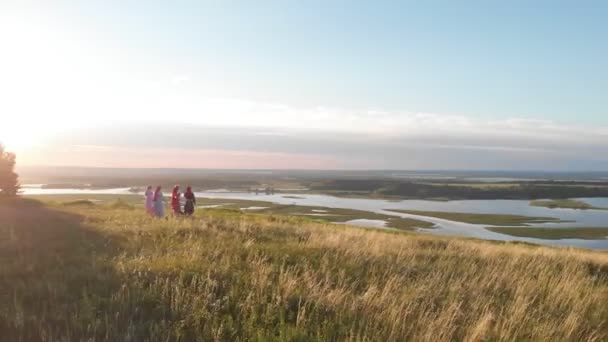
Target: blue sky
(530,59)
(505,77)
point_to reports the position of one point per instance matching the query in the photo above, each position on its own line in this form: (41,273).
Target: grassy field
(490,219)
(590,233)
(344,215)
(317,213)
(566,203)
(107,272)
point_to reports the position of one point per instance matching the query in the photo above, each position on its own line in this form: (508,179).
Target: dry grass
(116,274)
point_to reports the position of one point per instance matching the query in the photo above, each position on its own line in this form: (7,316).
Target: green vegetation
(425,189)
(343,215)
(382,185)
(9,180)
(232,203)
(317,213)
(565,203)
(139,200)
(78,203)
(490,219)
(97,273)
(120,204)
(408,223)
(589,233)
(478,185)
(438,199)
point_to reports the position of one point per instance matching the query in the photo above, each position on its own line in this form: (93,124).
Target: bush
(9,181)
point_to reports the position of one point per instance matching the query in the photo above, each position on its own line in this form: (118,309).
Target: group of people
(155,202)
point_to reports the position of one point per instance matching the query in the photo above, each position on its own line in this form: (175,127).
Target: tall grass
(97,273)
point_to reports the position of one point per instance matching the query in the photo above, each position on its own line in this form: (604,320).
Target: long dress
(159,205)
(175,205)
(190,202)
(150,201)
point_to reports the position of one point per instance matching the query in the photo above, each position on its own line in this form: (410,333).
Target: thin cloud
(432,143)
(180,79)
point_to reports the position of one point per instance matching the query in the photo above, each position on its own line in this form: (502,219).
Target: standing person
(159,203)
(175,197)
(190,202)
(149,195)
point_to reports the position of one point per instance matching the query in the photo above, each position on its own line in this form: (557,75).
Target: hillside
(111,273)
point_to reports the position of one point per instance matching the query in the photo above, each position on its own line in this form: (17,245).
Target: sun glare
(48,80)
(21,111)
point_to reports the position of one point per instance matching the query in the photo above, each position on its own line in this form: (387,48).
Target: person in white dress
(159,203)
(149,195)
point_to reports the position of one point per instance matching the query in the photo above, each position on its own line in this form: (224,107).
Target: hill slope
(106,273)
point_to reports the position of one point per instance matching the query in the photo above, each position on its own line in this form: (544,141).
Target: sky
(476,85)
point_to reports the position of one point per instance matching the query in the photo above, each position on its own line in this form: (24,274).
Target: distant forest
(527,190)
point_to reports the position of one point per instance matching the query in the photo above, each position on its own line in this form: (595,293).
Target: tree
(9,181)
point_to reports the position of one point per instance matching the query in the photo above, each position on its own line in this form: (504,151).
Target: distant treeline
(420,190)
(196,183)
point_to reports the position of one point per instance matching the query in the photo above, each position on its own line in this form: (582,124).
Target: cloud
(68,99)
(372,140)
(175,114)
(180,79)
(154,157)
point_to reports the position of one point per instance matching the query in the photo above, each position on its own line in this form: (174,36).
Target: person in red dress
(175,197)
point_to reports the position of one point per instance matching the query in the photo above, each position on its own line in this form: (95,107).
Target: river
(575,218)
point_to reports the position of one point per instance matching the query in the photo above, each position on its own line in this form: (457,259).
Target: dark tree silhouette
(9,181)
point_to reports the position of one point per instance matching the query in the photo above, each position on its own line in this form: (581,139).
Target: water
(601,202)
(38,190)
(577,218)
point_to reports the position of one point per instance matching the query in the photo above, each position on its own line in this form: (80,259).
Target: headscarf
(156,193)
(189,195)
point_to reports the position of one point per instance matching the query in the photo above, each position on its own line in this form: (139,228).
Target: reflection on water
(577,218)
